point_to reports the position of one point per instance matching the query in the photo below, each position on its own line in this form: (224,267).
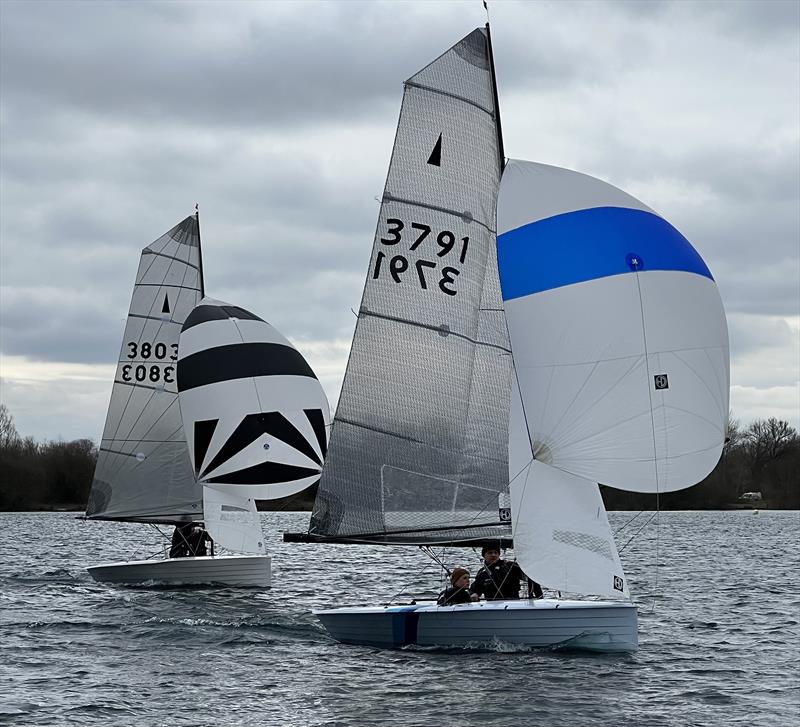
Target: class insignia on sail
(255,415)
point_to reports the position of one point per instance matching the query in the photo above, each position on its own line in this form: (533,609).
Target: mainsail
(143,471)
(419,443)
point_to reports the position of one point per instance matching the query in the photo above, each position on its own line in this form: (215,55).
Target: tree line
(763,457)
(43,476)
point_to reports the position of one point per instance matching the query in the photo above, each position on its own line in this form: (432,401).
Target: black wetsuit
(499,581)
(190,539)
(179,548)
(452,596)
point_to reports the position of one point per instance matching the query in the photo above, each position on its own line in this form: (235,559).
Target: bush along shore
(759,467)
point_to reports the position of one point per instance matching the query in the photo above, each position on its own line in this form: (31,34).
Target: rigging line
(653,429)
(415,575)
(642,527)
(521,498)
(625,525)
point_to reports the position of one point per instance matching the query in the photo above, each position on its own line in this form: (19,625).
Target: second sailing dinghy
(146,471)
(615,371)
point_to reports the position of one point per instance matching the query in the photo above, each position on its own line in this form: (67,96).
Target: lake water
(720,647)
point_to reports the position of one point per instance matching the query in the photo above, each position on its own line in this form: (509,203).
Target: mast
(200,251)
(500,148)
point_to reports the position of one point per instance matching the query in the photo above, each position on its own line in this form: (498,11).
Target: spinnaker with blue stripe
(618,334)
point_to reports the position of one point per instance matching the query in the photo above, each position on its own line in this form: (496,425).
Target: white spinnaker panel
(561,534)
(255,415)
(618,336)
(232,520)
(143,471)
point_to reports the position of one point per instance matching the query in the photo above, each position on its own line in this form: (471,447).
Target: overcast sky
(279,118)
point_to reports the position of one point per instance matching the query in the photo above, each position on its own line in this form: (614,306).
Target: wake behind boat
(605,358)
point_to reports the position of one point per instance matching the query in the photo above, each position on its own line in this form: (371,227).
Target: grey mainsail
(143,470)
(419,445)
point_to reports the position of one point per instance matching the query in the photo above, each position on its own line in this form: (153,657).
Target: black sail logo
(165,307)
(436,155)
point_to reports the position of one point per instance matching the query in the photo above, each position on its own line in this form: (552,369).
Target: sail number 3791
(428,271)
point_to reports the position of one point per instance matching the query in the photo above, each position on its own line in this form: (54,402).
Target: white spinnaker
(590,353)
(562,538)
(255,415)
(232,520)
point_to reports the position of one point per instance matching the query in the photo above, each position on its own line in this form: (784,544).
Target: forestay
(619,336)
(419,444)
(255,414)
(143,471)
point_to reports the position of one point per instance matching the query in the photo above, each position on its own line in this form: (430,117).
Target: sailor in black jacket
(458,591)
(498,579)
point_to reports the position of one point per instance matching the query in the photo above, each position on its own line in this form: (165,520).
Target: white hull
(604,626)
(233,570)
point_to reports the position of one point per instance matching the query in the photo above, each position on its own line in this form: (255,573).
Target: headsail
(619,335)
(143,471)
(254,413)
(419,442)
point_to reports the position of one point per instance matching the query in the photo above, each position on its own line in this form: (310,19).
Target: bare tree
(8,432)
(768,440)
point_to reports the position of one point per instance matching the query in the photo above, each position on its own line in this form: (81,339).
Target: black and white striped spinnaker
(256,417)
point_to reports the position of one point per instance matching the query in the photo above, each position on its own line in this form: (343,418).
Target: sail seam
(431,327)
(469,101)
(389,197)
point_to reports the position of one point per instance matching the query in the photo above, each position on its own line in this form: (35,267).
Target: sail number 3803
(153,372)
(428,271)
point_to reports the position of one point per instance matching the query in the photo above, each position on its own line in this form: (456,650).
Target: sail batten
(418,447)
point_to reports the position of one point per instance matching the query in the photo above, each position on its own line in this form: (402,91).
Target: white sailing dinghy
(619,368)
(144,471)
